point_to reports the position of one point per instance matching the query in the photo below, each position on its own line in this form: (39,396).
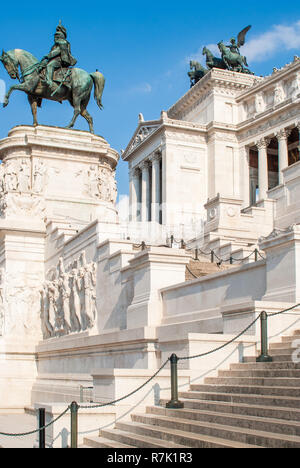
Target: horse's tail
(245,61)
(99,82)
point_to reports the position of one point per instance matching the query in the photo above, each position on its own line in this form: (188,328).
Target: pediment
(143,131)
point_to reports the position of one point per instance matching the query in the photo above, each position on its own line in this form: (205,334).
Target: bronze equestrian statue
(54,78)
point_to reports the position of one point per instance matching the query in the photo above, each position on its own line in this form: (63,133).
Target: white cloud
(2,90)
(143,88)
(277,39)
(123,208)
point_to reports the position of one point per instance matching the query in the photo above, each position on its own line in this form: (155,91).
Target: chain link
(36,430)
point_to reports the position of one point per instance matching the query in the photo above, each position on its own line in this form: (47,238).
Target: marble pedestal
(53,183)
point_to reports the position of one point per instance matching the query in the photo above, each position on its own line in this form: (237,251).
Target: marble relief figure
(68,299)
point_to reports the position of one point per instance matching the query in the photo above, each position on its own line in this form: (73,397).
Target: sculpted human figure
(75,300)
(65,291)
(47,328)
(24,176)
(93,181)
(86,311)
(52,296)
(58,57)
(38,176)
(11,180)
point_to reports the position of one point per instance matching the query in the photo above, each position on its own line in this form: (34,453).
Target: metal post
(256,255)
(74,424)
(212,256)
(196,254)
(172,241)
(42,432)
(264,356)
(174,402)
(231,260)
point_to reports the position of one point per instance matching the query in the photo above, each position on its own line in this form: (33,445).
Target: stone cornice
(271,80)
(158,125)
(216,77)
(265,122)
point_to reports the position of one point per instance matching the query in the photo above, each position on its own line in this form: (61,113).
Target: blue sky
(143,50)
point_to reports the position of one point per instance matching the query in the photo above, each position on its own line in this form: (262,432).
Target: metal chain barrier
(36,430)
(174,402)
(101,405)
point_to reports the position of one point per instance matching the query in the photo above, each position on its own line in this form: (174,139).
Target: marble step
(239,420)
(248,399)
(292,344)
(288,339)
(265,365)
(267,373)
(102,442)
(180,438)
(251,389)
(263,381)
(220,430)
(123,434)
(255,409)
(282,350)
(276,357)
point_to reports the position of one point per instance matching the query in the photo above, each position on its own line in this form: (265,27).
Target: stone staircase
(252,405)
(198,268)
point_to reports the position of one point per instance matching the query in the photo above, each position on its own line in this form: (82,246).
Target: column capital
(134,171)
(144,165)
(263,143)
(155,157)
(283,134)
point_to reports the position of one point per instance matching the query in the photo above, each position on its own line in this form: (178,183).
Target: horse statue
(196,72)
(233,60)
(212,61)
(75,85)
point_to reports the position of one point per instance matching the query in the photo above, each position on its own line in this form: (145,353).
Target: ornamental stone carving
(68,298)
(143,133)
(102,183)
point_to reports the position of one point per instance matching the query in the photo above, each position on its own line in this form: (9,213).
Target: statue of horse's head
(10,65)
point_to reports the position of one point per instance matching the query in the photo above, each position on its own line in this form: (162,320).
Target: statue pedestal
(53,183)
(56,173)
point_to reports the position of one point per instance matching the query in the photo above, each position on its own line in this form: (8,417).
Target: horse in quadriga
(74,85)
(212,61)
(233,60)
(197,71)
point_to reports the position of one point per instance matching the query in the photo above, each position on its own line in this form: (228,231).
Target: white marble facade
(80,300)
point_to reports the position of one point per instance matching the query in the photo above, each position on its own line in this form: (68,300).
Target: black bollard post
(174,402)
(42,430)
(212,256)
(74,424)
(264,356)
(256,255)
(231,260)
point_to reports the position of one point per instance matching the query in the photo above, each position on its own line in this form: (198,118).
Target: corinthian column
(145,191)
(134,193)
(283,159)
(263,179)
(155,205)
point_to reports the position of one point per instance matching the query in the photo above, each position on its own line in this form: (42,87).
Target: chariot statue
(54,77)
(231,58)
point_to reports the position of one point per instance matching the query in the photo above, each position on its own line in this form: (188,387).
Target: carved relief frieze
(68,298)
(101,183)
(20,185)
